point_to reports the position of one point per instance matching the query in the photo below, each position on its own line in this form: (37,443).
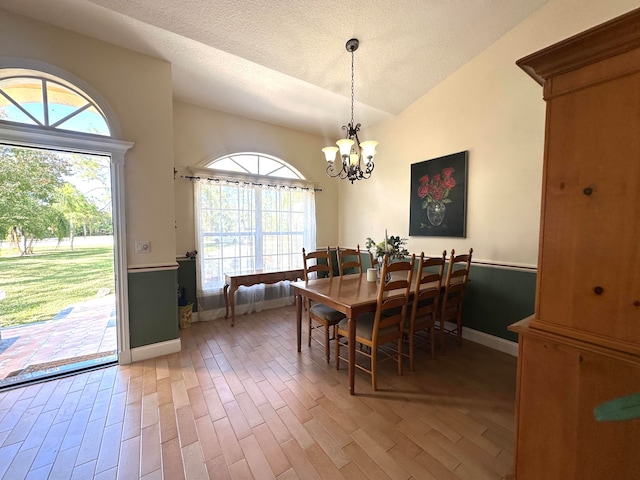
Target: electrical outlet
(143,247)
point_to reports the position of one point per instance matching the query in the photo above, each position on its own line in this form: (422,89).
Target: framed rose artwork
(438,205)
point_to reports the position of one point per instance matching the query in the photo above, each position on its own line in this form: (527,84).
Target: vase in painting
(435,212)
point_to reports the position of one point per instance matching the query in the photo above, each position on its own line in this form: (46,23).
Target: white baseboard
(155,350)
(491,341)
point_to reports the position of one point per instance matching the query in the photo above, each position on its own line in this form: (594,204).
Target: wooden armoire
(582,345)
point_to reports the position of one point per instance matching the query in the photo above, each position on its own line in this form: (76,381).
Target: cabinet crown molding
(611,38)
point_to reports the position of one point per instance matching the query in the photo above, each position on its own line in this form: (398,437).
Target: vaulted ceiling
(284,61)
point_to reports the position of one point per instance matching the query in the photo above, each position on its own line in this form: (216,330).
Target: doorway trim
(25,136)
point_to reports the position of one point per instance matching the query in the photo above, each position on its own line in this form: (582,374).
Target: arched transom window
(35,98)
(255,164)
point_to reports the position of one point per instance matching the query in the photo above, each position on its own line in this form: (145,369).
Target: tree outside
(56,244)
(38,200)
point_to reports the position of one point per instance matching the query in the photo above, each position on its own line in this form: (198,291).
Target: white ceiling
(284,61)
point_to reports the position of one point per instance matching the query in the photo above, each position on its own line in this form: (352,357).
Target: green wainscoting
(497,297)
(153,307)
(187,280)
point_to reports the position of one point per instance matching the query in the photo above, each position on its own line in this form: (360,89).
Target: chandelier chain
(352,89)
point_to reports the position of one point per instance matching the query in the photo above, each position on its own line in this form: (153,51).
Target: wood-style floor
(242,403)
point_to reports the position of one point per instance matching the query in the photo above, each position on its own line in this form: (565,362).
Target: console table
(232,282)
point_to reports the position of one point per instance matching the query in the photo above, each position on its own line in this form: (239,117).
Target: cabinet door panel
(546,413)
(591,211)
(607,449)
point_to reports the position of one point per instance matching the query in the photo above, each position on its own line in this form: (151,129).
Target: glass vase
(435,212)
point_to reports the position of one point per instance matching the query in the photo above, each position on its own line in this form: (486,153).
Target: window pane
(269,245)
(284,223)
(269,200)
(49,102)
(268,166)
(26,92)
(269,222)
(228,165)
(210,196)
(285,172)
(249,162)
(13,114)
(88,121)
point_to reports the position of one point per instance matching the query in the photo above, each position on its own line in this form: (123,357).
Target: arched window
(255,164)
(35,98)
(254,212)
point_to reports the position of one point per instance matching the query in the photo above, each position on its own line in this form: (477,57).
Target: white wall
(136,90)
(493,109)
(202,134)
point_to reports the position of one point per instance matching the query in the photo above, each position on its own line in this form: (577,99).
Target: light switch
(143,247)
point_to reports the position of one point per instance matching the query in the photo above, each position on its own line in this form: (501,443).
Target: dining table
(351,294)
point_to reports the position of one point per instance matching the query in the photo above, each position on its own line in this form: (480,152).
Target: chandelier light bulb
(345,146)
(330,153)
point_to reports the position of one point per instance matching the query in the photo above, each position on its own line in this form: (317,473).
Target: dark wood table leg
(225,294)
(352,355)
(232,300)
(299,302)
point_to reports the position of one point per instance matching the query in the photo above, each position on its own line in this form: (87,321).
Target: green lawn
(39,286)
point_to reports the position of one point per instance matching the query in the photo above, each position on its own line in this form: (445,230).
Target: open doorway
(58,309)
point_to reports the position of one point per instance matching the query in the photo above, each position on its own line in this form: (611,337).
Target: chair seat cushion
(328,314)
(364,326)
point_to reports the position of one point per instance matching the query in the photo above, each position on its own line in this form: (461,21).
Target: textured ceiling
(284,61)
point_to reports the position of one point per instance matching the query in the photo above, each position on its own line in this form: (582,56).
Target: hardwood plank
(274,454)
(258,463)
(109,448)
(249,410)
(187,432)
(296,428)
(230,447)
(380,456)
(208,438)
(334,451)
(150,450)
(91,441)
(323,463)
(194,465)
(172,465)
(238,421)
(299,461)
(278,428)
(129,460)
(368,466)
(217,469)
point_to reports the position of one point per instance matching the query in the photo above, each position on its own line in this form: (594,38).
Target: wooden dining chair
(423,308)
(385,325)
(455,285)
(318,265)
(349,260)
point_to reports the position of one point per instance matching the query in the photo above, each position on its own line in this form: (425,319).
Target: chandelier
(357,157)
